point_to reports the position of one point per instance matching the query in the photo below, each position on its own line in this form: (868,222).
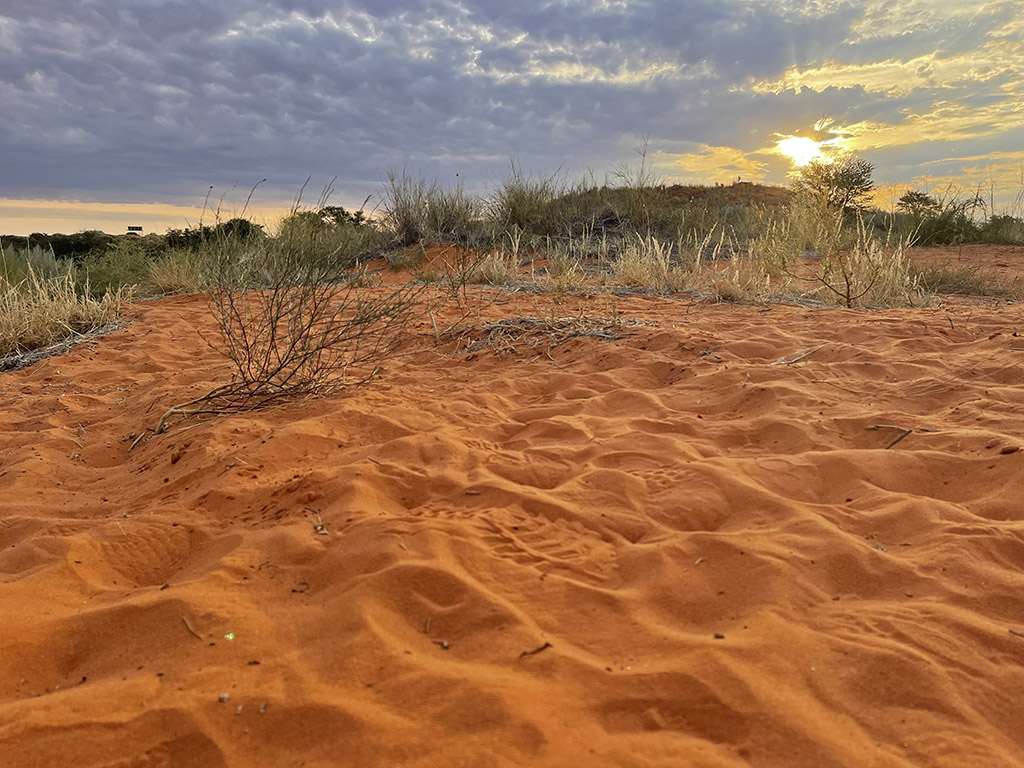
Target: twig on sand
(904,430)
(1015,632)
(535,651)
(319,528)
(798,358)
(191,628)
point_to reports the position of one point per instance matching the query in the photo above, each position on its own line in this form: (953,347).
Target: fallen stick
(798,358)
(535,651)
(191,628)
(904,430)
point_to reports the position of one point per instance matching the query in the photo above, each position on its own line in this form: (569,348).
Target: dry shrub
(837,262)
(39,311)
(872,273)
(512,335)
(296,322)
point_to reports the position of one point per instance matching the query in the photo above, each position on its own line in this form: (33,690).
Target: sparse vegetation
(949,279)
(741,242)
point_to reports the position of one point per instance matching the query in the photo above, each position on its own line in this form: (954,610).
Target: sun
(800,150)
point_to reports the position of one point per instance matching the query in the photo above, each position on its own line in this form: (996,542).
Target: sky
(127,112)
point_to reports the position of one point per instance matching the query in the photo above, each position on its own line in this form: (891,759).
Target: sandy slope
(730,569)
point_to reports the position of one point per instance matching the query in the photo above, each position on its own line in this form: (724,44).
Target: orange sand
(1004,262)
(728,567)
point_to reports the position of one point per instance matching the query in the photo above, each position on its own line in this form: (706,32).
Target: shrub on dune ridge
(843,185)
(417,211)
(523,202)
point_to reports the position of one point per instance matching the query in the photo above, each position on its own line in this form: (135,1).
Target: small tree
(843,185)
(919,204)
(336,215)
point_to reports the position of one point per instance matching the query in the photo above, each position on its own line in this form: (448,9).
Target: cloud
(711,165)
(121,100)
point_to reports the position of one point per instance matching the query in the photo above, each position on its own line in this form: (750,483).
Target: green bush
(1003,230)
(19,263)
(125,263)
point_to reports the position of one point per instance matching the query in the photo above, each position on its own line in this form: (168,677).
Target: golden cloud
(712,165)
(1001,59)
(885,19)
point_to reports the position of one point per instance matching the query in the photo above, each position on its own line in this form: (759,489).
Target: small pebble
(223,698)
(719,637)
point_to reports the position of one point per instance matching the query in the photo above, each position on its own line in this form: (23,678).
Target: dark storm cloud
(150,99)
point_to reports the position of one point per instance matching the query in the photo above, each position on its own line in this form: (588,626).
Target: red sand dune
(661,550)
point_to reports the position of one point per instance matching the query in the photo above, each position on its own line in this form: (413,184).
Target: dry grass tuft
(496,268)
(646,263)
(39,311)
(565,272)
(741,280)
(966,281)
